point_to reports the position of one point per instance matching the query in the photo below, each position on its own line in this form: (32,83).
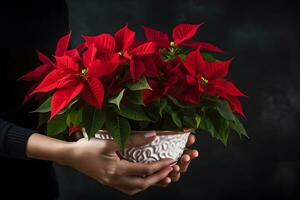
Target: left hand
(182,165)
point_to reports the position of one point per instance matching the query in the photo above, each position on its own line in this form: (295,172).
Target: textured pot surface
(163,146)
(167,144)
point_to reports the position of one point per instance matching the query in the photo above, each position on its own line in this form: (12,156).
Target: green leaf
(93,120)
(74,117)
(141,84)
(238,127)
(135,97)
(208,57)
(182,56)
(119,128)
(190,122)
(117,100)
(177,103)
(208,125)
(42,119)
(198,120)
(223,132)
(68,106)
(125,131)
(224,110)
(143,124)
(162,105)
(44,107)
(152,113)
(57,125)
(134,112)
(176,119)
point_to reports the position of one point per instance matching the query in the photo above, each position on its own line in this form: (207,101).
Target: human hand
(182,165)
(98,159)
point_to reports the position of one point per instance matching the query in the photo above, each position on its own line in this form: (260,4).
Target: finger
(184,162)
(160,175)
(143,169)
(139,183)
(175,174)
(129,192)
(164,183)
(191,140)
(193,153)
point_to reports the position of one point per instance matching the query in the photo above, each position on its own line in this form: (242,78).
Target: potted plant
(111,86)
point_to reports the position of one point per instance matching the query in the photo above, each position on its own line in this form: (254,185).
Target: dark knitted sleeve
(13,140)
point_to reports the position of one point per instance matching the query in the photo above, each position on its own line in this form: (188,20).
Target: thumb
(140,139)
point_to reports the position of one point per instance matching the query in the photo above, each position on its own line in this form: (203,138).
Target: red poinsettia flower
(74,129)
(209,77)
(47,65)
(73,76)
(121,48)
(171,83)
(181,33)
(41,71)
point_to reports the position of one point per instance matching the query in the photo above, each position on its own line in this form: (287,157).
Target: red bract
(41,71)
(122,48)
(181,33)
(171,83)
(74,129)
(111,61)
(73,76)
(208,77)
(129,81)
(178,87)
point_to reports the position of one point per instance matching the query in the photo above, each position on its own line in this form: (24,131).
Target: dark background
(263,36)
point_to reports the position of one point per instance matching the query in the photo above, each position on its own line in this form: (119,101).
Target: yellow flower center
(84,71)
(172,44)
(204,80)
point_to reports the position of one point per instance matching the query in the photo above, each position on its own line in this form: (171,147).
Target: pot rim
(158,132)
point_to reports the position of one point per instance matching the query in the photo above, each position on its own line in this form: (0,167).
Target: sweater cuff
(17,138)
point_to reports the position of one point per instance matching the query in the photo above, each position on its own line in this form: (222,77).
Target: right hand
(98,159)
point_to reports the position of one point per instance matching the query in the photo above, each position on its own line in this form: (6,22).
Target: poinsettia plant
(114,82)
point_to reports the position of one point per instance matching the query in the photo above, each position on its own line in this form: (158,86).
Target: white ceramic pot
(167,144)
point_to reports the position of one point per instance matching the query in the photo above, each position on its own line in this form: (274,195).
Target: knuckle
(110,175)
(105,181)
(111,171)
(143,186)
(150,170)
(145,172)
(131,192)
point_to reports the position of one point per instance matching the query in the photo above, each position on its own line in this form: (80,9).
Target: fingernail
(168,180)
(177,169)
(149,134)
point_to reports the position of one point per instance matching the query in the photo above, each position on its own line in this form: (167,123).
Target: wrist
(62,152)
(45,148)
(65,153)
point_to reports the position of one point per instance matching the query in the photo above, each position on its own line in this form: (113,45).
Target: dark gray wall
(264,38)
